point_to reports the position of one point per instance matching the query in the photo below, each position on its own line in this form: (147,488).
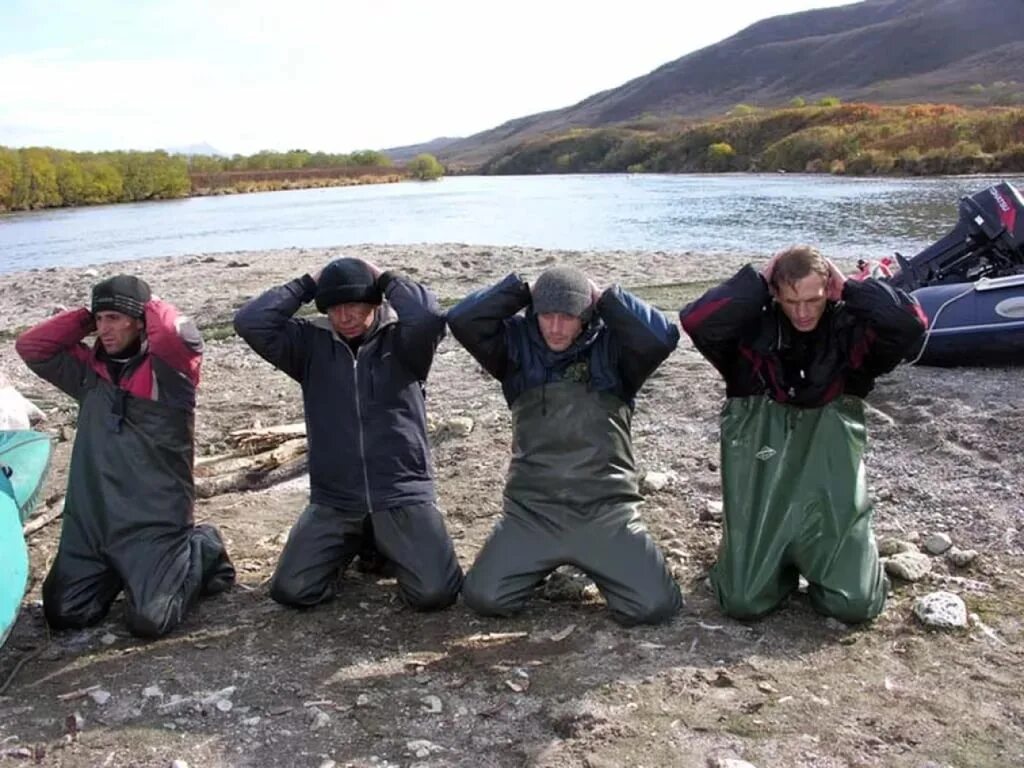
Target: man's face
(804,301)
(559,329)
(117,331)
(351,319)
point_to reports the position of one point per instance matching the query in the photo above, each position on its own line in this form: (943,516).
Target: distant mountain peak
(196,149)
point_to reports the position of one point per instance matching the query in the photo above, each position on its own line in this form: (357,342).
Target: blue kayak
(24,461)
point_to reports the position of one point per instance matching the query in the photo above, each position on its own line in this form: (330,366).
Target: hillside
(965,52)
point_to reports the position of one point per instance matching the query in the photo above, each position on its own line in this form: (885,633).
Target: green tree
(721,156)
(10,177)
(829,101)
(798,101)
(425,167)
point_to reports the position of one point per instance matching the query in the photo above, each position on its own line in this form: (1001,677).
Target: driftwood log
(263,456)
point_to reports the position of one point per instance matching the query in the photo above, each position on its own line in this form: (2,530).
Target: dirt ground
(364,681)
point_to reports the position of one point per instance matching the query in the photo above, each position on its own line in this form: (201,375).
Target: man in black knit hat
(130,497)
(569,369)
(362,369)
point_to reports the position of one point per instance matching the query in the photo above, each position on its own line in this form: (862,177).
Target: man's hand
(768,269)
(836,280)
(595,293)
(374,269)
(316,275)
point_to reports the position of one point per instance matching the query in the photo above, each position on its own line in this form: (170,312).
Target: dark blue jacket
(365,411)
(619,348)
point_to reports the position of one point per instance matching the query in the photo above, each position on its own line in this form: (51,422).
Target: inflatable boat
(971,284)
(24,460)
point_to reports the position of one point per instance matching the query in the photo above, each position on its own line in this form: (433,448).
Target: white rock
(890,546)
(328,764)
(318,719)
(943,610)
(251,722)
(432,704)
(100,697)
(654,481)
(422,747)
(151,692)
(460,426)
(937,543)
(179,764)
(712,510)
(961,557)
(362,700)
(729,762)
(224,705)
(90,272)
(108,639)
(909,566)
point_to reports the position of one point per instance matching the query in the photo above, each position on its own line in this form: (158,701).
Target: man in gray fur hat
(569,368)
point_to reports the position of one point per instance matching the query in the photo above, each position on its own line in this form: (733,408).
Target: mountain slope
(882,50)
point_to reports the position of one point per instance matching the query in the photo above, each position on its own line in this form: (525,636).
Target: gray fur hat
(562,289)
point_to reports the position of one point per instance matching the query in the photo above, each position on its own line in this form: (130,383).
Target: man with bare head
(799,347)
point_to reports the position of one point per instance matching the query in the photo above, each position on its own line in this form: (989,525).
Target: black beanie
(122,293)
(562,289)
(346,280)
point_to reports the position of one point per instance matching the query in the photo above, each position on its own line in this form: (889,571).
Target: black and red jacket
(165,369)
(740,329)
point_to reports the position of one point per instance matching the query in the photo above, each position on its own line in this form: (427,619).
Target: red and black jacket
(165,369)
(747,337)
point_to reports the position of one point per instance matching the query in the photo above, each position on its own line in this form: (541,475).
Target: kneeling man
(799,347)
(569,368)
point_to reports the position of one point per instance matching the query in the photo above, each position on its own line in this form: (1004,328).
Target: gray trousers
(611,546)
(324,540)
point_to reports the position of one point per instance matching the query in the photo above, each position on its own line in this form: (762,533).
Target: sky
(326,76)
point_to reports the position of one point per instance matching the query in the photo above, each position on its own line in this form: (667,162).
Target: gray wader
(796,502)
(571,499)
(324,540)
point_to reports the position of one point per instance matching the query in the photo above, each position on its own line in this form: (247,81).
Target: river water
(738,213)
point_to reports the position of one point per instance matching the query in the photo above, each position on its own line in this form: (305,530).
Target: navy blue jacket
(747,337)
(365,411)
(624,342)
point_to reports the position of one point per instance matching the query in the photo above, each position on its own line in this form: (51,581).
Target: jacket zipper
(359,420)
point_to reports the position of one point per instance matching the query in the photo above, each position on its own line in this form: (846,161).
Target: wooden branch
(43,520)
(250,479)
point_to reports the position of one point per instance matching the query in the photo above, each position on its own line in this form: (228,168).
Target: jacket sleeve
(174,338)
(480,322)
(642,336)
(420,321)
(54,349)
(267,325)
(718,320)
(894,320)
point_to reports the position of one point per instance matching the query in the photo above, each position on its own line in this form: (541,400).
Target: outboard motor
(987,241)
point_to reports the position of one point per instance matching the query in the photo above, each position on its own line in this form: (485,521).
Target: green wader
(571,499)
(795,502)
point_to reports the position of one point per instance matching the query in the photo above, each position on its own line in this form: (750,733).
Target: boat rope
(935,320)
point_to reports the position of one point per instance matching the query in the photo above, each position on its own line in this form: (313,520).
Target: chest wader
(571,499)
(127,521)
(795,502)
